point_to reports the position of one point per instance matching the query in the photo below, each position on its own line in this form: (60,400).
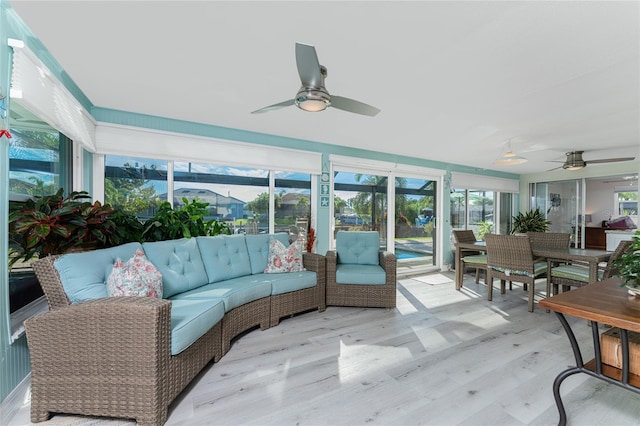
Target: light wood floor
(442,357)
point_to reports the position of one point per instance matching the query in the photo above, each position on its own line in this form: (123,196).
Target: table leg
(459,269)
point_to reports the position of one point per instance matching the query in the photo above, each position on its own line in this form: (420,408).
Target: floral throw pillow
(135,277)
(284,259)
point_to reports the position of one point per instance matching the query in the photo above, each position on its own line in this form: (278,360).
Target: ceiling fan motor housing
(574,161)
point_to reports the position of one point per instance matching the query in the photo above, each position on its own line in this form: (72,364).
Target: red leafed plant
(311,239)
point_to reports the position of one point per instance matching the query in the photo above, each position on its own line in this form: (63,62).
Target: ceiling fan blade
(308,66)
(352,105)
(274,107)
(610,160)
(555,168)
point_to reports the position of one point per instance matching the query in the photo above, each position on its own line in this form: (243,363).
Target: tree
(339,204)
(130,194)
(261,204)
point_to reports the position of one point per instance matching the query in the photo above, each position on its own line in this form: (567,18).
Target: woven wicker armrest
(388,262)
(125,337)
(318,264)
(314,262)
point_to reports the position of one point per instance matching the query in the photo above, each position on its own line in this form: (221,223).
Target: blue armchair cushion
(358,247)
(180,264)
(360,274)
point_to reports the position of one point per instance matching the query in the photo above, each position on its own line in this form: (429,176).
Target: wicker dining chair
(470,258)
(576,274)
(549,239)
(510,258)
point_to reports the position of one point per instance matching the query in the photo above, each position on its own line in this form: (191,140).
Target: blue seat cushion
(234,292)
(84,275)
(291,281)
(360,274)
(190,319)
(258,247)
(180,264)
(224,257)
(358,247)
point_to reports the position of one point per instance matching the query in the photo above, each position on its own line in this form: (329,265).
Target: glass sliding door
(415,231)
(360,203)
(563,205)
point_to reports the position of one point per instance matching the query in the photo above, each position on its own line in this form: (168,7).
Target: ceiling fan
(575,161)
(313,96)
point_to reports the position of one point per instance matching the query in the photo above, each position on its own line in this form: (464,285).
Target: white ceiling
(454,80)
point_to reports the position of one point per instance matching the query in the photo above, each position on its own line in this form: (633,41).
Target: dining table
(605,302)
(590,257)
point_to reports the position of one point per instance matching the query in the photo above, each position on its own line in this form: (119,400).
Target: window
(237,195)
(39,163)
(292,203)
(360,203)
(626,203)
(474,209)
(135,185)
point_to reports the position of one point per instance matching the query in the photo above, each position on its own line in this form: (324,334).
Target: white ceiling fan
(575,161)
(313,96)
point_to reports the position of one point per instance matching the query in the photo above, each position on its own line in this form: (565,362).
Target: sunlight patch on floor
(358,361)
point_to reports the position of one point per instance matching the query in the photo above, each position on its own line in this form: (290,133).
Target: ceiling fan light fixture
(574,161)
(312,100)
(510,158)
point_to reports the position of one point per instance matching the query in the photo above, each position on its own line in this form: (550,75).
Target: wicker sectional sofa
(131,356)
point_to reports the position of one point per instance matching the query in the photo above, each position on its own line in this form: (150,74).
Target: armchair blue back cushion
(358,247)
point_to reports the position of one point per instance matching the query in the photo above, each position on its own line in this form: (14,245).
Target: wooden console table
(601,302)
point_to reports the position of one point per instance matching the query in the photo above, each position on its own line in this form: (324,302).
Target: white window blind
(45,96)
(490,183)
(121,140)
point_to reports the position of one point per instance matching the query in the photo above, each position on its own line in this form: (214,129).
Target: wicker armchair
(380,295)
(577,274)
(510,258)
(108,357)
(470,258)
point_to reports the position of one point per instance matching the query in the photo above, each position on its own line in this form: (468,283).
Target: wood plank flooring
(442,357)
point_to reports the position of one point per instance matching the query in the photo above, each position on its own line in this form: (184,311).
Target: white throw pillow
(135,277)
(284,259)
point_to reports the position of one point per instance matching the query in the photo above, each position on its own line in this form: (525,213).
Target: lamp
(509,158)
(312,100)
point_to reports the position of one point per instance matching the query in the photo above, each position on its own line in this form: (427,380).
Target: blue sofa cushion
(291,281)
(258,246)
(358,247)
(360,274)
(224,257)
(84,275)
(190,319)
(180,264)
(234,292)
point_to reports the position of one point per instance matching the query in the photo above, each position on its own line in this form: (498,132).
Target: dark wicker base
(283,305)
(243,318)
(371,296)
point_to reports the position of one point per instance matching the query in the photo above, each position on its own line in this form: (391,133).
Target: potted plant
(55,224)
(531,221)
(184,222)
(628,265)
